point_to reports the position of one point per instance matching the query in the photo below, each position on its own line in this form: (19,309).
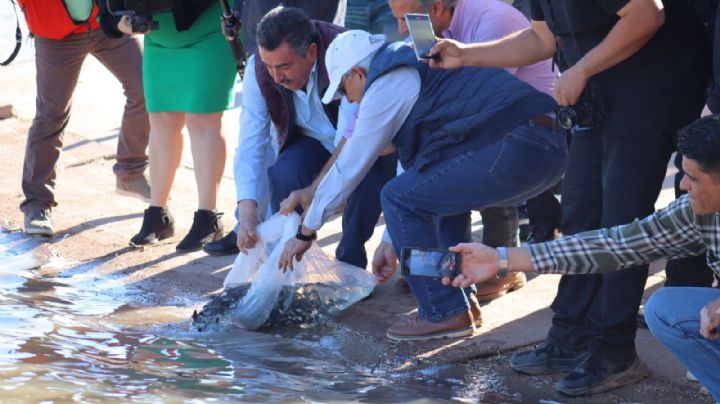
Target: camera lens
(567,117)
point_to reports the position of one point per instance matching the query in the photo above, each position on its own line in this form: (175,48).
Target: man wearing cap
(282,86)
(482,21)
(467,138)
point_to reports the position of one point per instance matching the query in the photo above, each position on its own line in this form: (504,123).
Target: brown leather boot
(475,311)
(417,329)
(494,288)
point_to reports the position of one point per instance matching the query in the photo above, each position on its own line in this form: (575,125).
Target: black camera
(590,111)
(140,12)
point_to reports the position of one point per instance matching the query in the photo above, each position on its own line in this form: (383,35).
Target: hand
(247,232)
(570,85)
(294,248)
(124,25)
(710,320)
(302,197)
(479,263)
(450,52)
(384,263)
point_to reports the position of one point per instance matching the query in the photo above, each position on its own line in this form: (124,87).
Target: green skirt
(189,71)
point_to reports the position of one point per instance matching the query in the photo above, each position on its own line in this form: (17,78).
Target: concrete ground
(93,226)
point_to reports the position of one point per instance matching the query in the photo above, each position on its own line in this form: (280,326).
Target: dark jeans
(299,164)
(614,176)
(519,166)
(500,227)
(544,212)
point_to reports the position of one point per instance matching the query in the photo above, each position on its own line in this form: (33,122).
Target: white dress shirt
(257,144)
(385,106)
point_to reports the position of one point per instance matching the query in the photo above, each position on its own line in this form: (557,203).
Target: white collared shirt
(257,147)
(384,108)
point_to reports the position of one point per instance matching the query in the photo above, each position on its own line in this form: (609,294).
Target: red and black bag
(50,19)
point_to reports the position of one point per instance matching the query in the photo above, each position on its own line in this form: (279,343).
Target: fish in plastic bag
(258,294)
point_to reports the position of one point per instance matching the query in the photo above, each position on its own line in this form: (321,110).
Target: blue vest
(457,110)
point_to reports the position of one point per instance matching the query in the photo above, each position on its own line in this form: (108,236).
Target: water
(69,335)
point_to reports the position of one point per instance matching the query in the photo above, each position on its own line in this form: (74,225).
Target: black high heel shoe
(158,224)
(205,228)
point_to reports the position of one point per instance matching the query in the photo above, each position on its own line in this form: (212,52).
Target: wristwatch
(502,263)
(303,237)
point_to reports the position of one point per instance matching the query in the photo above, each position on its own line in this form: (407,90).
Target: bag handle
(18,38)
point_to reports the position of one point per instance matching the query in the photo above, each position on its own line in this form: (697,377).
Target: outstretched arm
(480,263)
(521,48)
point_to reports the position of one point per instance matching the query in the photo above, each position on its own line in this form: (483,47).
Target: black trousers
(614,176)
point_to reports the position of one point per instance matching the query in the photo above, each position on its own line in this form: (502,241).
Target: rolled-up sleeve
(385,106)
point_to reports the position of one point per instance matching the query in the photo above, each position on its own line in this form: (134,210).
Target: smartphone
(422,35)
(430,262)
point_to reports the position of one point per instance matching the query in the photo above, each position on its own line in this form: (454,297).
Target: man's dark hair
(700,141)
(286,24)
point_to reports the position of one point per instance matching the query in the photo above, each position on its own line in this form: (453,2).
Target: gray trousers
(58,65)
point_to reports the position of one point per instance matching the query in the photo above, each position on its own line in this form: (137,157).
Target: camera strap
(18,37)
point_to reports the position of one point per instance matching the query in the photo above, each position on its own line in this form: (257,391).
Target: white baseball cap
(346,51)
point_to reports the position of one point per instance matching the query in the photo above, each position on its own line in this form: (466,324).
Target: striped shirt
(673,232)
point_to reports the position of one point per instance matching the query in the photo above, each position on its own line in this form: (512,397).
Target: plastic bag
(259,294)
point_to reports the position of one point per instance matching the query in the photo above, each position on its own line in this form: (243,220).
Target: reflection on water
(66,338)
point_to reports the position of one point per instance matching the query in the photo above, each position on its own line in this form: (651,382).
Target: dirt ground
(93,226)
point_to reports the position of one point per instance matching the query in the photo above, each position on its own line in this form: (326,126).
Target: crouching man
(685,319)
(466,138)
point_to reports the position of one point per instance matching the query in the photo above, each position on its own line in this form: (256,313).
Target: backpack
(50,19)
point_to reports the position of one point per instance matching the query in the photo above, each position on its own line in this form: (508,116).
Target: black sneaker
(205,228)
(596,375)
(546,358)
(225,246)
(158,224)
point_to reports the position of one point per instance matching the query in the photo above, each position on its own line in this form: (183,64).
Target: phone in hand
(422,35)
(430,262)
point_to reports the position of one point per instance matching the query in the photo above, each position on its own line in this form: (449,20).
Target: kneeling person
(467,138)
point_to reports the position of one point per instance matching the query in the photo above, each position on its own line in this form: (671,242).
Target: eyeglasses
(341,87)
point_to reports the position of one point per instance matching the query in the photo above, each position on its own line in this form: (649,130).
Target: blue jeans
(673,316)
(373,16)
(522,164)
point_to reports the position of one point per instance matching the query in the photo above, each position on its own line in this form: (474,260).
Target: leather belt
(545,121)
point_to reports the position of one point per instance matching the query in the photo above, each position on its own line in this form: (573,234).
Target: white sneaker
(38,222)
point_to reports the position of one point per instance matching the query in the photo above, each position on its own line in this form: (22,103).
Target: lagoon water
(68,335)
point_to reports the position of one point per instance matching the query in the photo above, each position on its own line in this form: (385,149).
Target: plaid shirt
(673,232)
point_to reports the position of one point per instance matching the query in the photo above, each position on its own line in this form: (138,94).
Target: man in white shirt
(282,87)
(462,136)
